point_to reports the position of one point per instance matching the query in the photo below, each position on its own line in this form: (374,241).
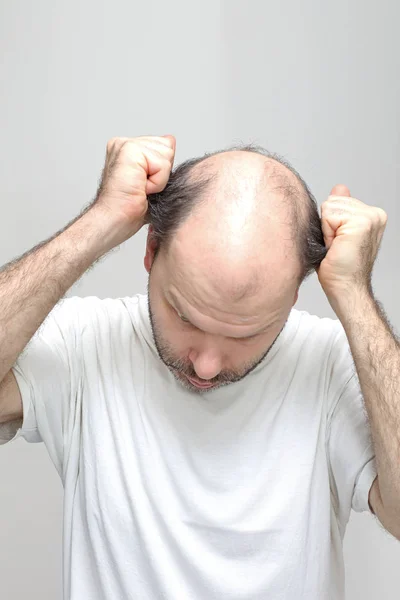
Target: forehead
(213,299)
(234,253)
(232,321)
(232,259)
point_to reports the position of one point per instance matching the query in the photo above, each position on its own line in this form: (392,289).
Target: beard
(181,369)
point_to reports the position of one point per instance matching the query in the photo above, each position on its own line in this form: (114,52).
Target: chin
(193,388)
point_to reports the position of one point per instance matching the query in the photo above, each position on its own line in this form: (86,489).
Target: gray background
(315,81)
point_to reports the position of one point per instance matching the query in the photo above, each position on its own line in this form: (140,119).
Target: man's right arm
(32,285)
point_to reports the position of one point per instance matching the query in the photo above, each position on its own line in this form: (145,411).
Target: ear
(151,247)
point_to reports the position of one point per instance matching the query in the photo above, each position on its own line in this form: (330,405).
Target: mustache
(189,372)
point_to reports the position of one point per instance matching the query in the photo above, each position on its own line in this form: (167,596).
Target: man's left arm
(353,232)
(376,354)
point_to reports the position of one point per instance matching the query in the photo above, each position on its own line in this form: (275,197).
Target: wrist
(354,305)
(102,230)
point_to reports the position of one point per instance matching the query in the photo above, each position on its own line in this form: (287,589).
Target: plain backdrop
(317,82)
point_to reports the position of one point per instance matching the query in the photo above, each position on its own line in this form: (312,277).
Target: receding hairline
(287,179)
(196,177)
(281,165)
(280,176)
(200,172)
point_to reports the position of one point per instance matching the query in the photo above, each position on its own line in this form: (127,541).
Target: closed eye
(244,339)
(184,319)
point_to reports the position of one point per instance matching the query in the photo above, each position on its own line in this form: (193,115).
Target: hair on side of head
(167,210)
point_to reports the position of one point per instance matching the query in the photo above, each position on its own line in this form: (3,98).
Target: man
(210,438)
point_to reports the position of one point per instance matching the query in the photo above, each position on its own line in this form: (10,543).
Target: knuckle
(167,164)
(111,143)
(365,221)
(325,208)
(378,215)
(383,215)
(116,143)
(129,148)
(169,152)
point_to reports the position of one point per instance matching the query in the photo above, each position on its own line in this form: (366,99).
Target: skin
(245,278)
(232,267)
(237,293)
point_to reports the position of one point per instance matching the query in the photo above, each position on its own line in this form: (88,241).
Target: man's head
(231,238)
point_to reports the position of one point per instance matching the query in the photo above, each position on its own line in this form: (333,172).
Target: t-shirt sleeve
(48,373)
(349,442)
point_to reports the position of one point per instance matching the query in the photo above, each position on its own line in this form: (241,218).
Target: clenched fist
(134,169)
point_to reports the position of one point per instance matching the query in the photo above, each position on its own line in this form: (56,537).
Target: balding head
(231,238)
(240,207)
(240,232)
(240,168)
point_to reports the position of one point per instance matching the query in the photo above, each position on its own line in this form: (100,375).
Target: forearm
(33,284)
(376,353)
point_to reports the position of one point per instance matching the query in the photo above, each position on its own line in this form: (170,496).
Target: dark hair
(168,209)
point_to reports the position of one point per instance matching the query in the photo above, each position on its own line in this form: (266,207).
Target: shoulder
(323,344)
(314,329)
(76,317)
(93,307)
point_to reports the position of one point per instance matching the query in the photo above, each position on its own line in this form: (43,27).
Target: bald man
(211,439)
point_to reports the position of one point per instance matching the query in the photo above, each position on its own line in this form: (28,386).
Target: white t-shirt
(243,493)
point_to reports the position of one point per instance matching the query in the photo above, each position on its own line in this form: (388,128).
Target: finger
(340,190)
(165,141)
(162,147)
(172,140)
(332,217)
(340,207)
(345,201)
(329,228)
(159,169)
(157,182)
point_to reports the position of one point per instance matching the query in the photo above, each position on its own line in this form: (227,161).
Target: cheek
(243,353)
(176,336)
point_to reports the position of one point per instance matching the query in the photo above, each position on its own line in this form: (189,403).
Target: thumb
(172,140)
(340,190)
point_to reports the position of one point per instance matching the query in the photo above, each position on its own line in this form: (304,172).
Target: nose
(207,363)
